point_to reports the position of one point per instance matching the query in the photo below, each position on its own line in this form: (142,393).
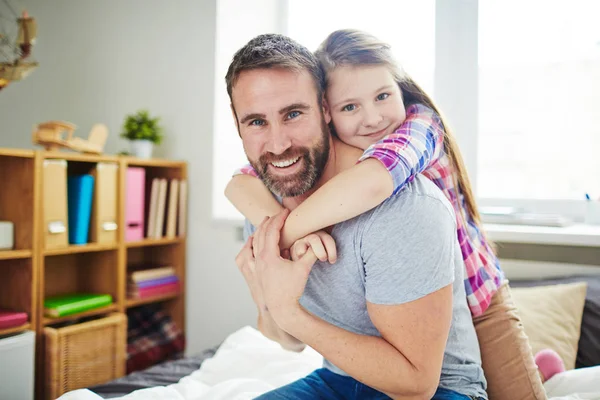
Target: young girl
(403,134)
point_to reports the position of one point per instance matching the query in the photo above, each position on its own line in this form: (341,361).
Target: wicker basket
(85,354)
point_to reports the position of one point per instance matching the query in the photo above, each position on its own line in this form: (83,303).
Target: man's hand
(247,266)
(282,281)
(321,243)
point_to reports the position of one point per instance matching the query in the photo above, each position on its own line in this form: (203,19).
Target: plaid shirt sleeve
(246,170)
(413,147)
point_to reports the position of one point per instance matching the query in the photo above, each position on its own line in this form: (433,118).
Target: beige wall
(100,60)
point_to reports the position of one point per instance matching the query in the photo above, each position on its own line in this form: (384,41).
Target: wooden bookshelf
(32,272)
(18,266)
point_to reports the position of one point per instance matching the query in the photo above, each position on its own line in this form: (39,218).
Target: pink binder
(10,319)
(134,204)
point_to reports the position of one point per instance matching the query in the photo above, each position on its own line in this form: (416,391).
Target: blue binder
(80,190)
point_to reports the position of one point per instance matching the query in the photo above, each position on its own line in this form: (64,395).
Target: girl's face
(365,103)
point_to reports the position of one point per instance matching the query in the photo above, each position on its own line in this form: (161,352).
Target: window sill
(573,235)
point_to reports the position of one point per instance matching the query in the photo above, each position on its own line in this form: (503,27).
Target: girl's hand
(321,243)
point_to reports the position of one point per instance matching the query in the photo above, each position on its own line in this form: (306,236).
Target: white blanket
(247,364)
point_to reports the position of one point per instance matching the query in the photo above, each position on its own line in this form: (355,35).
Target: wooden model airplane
(50,134)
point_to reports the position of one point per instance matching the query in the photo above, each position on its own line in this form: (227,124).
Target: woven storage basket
(85,354)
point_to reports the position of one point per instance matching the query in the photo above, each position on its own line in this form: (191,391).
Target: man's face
(283,128)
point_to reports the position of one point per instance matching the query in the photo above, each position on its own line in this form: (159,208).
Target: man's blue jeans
(326,385)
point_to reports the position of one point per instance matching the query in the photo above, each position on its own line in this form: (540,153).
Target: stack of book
(167,209)
(60,306)
(152,282)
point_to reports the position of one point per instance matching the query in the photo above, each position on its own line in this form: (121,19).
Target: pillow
(551,317)
(588,354)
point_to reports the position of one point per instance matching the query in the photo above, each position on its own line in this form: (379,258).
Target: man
(390,316)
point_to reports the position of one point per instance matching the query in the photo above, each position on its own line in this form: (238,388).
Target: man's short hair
(272,50)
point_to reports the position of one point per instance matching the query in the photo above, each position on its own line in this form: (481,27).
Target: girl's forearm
(252,198)
(348,194)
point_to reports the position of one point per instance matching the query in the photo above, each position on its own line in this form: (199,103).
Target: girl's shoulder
(420,108)
(423,112)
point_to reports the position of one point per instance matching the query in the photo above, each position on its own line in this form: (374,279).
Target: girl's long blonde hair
(354,47)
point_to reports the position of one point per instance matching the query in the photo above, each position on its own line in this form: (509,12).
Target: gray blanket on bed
(162,374)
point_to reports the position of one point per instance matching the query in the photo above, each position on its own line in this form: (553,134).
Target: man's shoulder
(421,196)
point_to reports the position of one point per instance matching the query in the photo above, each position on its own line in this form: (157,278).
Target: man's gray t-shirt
(402,250)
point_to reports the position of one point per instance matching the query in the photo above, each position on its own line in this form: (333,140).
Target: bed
(246,364)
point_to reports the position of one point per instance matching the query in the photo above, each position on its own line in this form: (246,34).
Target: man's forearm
(268,327)
(369,359)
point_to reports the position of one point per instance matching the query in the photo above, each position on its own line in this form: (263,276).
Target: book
(153,273)
(80,191)
(151,220)
(172,211)
(11,319)
(182,209)
(160,209)
(60,306)
(159,290)
(153,282)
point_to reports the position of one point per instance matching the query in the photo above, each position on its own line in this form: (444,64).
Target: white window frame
(456,91)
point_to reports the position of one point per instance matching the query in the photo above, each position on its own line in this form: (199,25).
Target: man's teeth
(285,163)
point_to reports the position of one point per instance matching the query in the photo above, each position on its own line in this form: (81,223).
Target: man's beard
(313,163)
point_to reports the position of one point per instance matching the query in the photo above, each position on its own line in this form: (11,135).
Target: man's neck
(341,157)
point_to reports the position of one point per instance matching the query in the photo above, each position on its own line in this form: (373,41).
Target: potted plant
(143,132)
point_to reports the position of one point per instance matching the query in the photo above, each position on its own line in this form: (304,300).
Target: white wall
(100,60)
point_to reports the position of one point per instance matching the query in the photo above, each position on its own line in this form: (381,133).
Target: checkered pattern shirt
(417,147)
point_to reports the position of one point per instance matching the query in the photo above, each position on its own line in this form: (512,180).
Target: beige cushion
(551,317)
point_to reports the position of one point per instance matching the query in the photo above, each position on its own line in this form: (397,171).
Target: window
(519,82)
(539,99)
(310,21)
(397,26)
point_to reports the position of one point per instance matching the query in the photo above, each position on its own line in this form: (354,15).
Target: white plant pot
(141,148)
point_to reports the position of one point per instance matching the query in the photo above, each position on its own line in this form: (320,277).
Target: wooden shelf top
(149,300)
(73,156)
(14,254)
(84,248)
(93,158)
(153,162)
(4,151)
(16,329)
(154,242)
(96,311)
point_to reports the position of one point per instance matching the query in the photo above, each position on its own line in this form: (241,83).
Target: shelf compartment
(81,273)
(16,285)
(17,203)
